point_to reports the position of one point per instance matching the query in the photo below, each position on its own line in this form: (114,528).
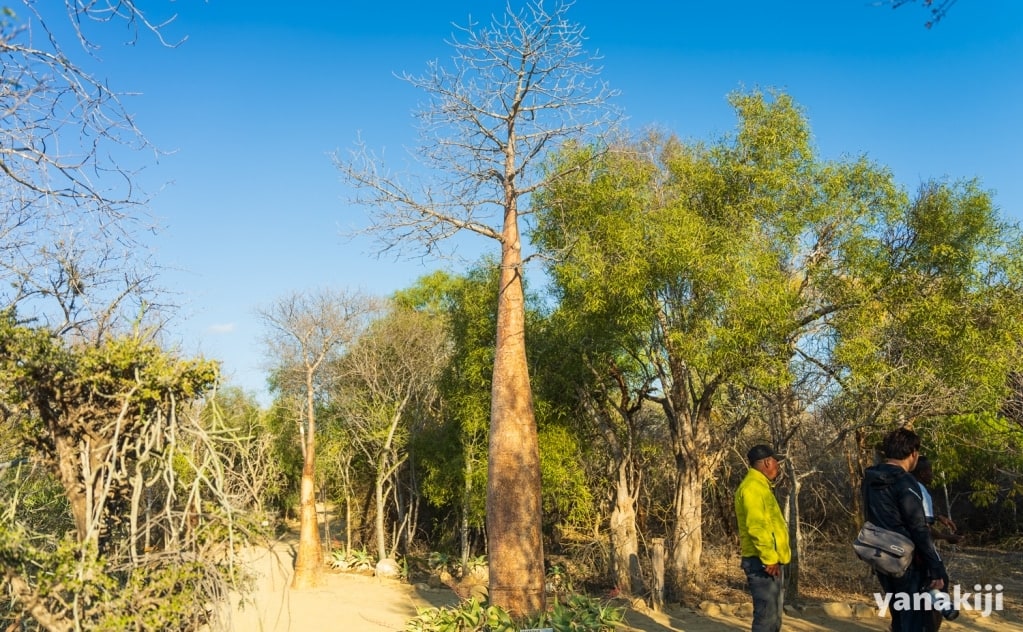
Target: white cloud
(225,328)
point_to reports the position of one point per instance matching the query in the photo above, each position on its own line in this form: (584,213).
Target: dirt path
(357,603)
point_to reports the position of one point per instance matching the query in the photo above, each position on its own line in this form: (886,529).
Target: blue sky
(261,93)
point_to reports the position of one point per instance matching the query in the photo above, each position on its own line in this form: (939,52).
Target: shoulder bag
(887,552)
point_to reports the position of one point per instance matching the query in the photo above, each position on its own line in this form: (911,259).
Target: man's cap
(760,451)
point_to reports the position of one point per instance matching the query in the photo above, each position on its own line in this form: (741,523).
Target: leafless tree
(514,90)
(386,384)
(72,219)
(306,334)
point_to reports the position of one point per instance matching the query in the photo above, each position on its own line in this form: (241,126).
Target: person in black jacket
(892,501)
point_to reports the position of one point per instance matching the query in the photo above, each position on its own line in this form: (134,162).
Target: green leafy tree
(385,391)
(701,268)
(936,334)
(453,452)
(116,426)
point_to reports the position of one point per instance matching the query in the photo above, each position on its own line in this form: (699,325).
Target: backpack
(887,552)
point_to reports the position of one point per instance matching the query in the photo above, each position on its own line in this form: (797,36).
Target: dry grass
(831,572)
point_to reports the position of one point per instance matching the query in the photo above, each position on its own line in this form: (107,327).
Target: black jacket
(892,500)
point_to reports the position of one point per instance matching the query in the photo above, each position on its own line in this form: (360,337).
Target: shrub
(577,613)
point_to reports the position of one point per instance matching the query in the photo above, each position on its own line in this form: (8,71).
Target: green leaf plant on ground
(576,613)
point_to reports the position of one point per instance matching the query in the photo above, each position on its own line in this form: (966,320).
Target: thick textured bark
(513,482)
(309,558)
(687,547)
(84,485)
(689,421)
(625,568)
(74,489)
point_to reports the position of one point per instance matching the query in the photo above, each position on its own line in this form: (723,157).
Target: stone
(837,609)
(710,608)
(433,581)
(388,569)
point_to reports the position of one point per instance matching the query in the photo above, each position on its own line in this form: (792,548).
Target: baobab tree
(515,90)
(306,333)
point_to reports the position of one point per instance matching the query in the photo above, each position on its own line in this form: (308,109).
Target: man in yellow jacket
(763,537)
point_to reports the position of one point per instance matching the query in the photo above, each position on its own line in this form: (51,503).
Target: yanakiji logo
(983,600)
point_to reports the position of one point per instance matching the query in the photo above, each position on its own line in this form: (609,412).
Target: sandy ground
(357,603)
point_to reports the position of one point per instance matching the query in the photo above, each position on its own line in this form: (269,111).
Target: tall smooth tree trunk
(513,482)
(309,558)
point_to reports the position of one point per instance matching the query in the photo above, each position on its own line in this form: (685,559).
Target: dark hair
(900,443)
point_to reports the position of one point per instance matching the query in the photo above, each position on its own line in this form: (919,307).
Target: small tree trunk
(795,534)
(327,540)
(464,526)
(380,528)
(657,561)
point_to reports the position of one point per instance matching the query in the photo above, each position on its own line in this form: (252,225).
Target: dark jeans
(768,595)
(909,584)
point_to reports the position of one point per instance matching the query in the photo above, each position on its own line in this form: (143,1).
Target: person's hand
(951,526)
(774,570)
(937,583)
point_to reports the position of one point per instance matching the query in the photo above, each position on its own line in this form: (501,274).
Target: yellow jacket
(762,529)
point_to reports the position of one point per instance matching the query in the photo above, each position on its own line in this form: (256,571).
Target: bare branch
(513,91)
(937,8)
(63,190)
